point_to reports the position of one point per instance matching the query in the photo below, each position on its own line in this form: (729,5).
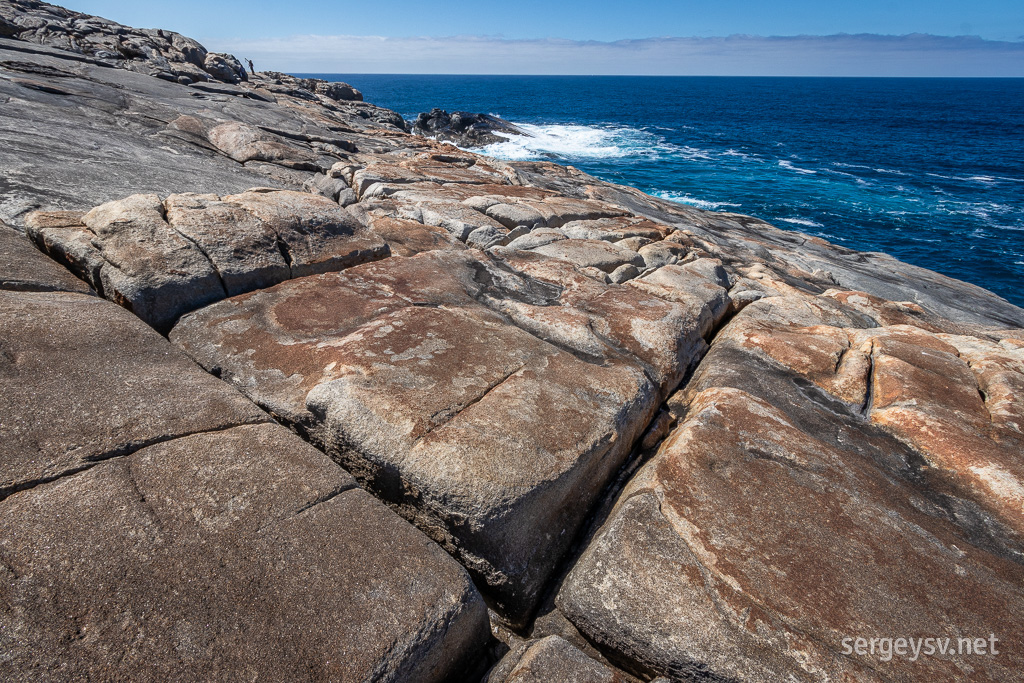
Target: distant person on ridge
(252,69)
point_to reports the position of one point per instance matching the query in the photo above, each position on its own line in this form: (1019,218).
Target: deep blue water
(928,170)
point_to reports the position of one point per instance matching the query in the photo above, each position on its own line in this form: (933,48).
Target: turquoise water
(928,170)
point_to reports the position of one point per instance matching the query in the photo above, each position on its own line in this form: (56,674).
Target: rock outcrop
(131,134)
(463,128)
(400,379)
(158,525)
(790,510)
(164,54)
(160,259)
(449,382)
(288,84)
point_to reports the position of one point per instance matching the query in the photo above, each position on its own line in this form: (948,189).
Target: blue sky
(721,37)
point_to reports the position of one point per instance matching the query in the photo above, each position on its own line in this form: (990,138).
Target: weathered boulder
(383,174)
(701,284)
(614,229)
(782,519)
(160,259)
(438,176)
(516,215)
(406,238)
(24,268)
(604,256)
(224,67)
(337,91)
(663,253)
(536,238)
(552,659)
(487,195)
(314,234)
(458,219)
(478,428)
(328,186)
(559,211)
(241,247)
(666,338)
(550,212)
(242,550)
(487,237)
(623,273)
(146,265)
(243,143)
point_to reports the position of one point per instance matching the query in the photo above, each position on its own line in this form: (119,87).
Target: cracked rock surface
(791,507)
(476,423)
(160,259)
(421,413)
(143,576)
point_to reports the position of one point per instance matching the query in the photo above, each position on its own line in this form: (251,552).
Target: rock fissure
(591,359)
(123,452)
(323,499)
(282,248)
(610,497)
(273,523)
(202,250)
(448,415)
(869,391)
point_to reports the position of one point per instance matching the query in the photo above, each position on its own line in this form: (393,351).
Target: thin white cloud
(836,55)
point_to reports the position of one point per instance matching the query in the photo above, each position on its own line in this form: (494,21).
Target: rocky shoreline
(288,391)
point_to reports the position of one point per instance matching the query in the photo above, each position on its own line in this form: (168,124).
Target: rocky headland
(464,129)
(289,392)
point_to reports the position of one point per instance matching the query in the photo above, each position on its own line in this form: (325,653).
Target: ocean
(928,170)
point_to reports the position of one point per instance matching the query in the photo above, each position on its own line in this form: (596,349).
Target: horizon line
(313,74)
(914,55)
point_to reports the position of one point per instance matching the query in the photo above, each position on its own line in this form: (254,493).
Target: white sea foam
(694,153)
(683,198)
(806,222)
(563,141)
(983,179)
(983,210)
(737,153)
(788,165)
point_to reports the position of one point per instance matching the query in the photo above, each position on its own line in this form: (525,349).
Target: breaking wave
(568,142)
(683,198)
